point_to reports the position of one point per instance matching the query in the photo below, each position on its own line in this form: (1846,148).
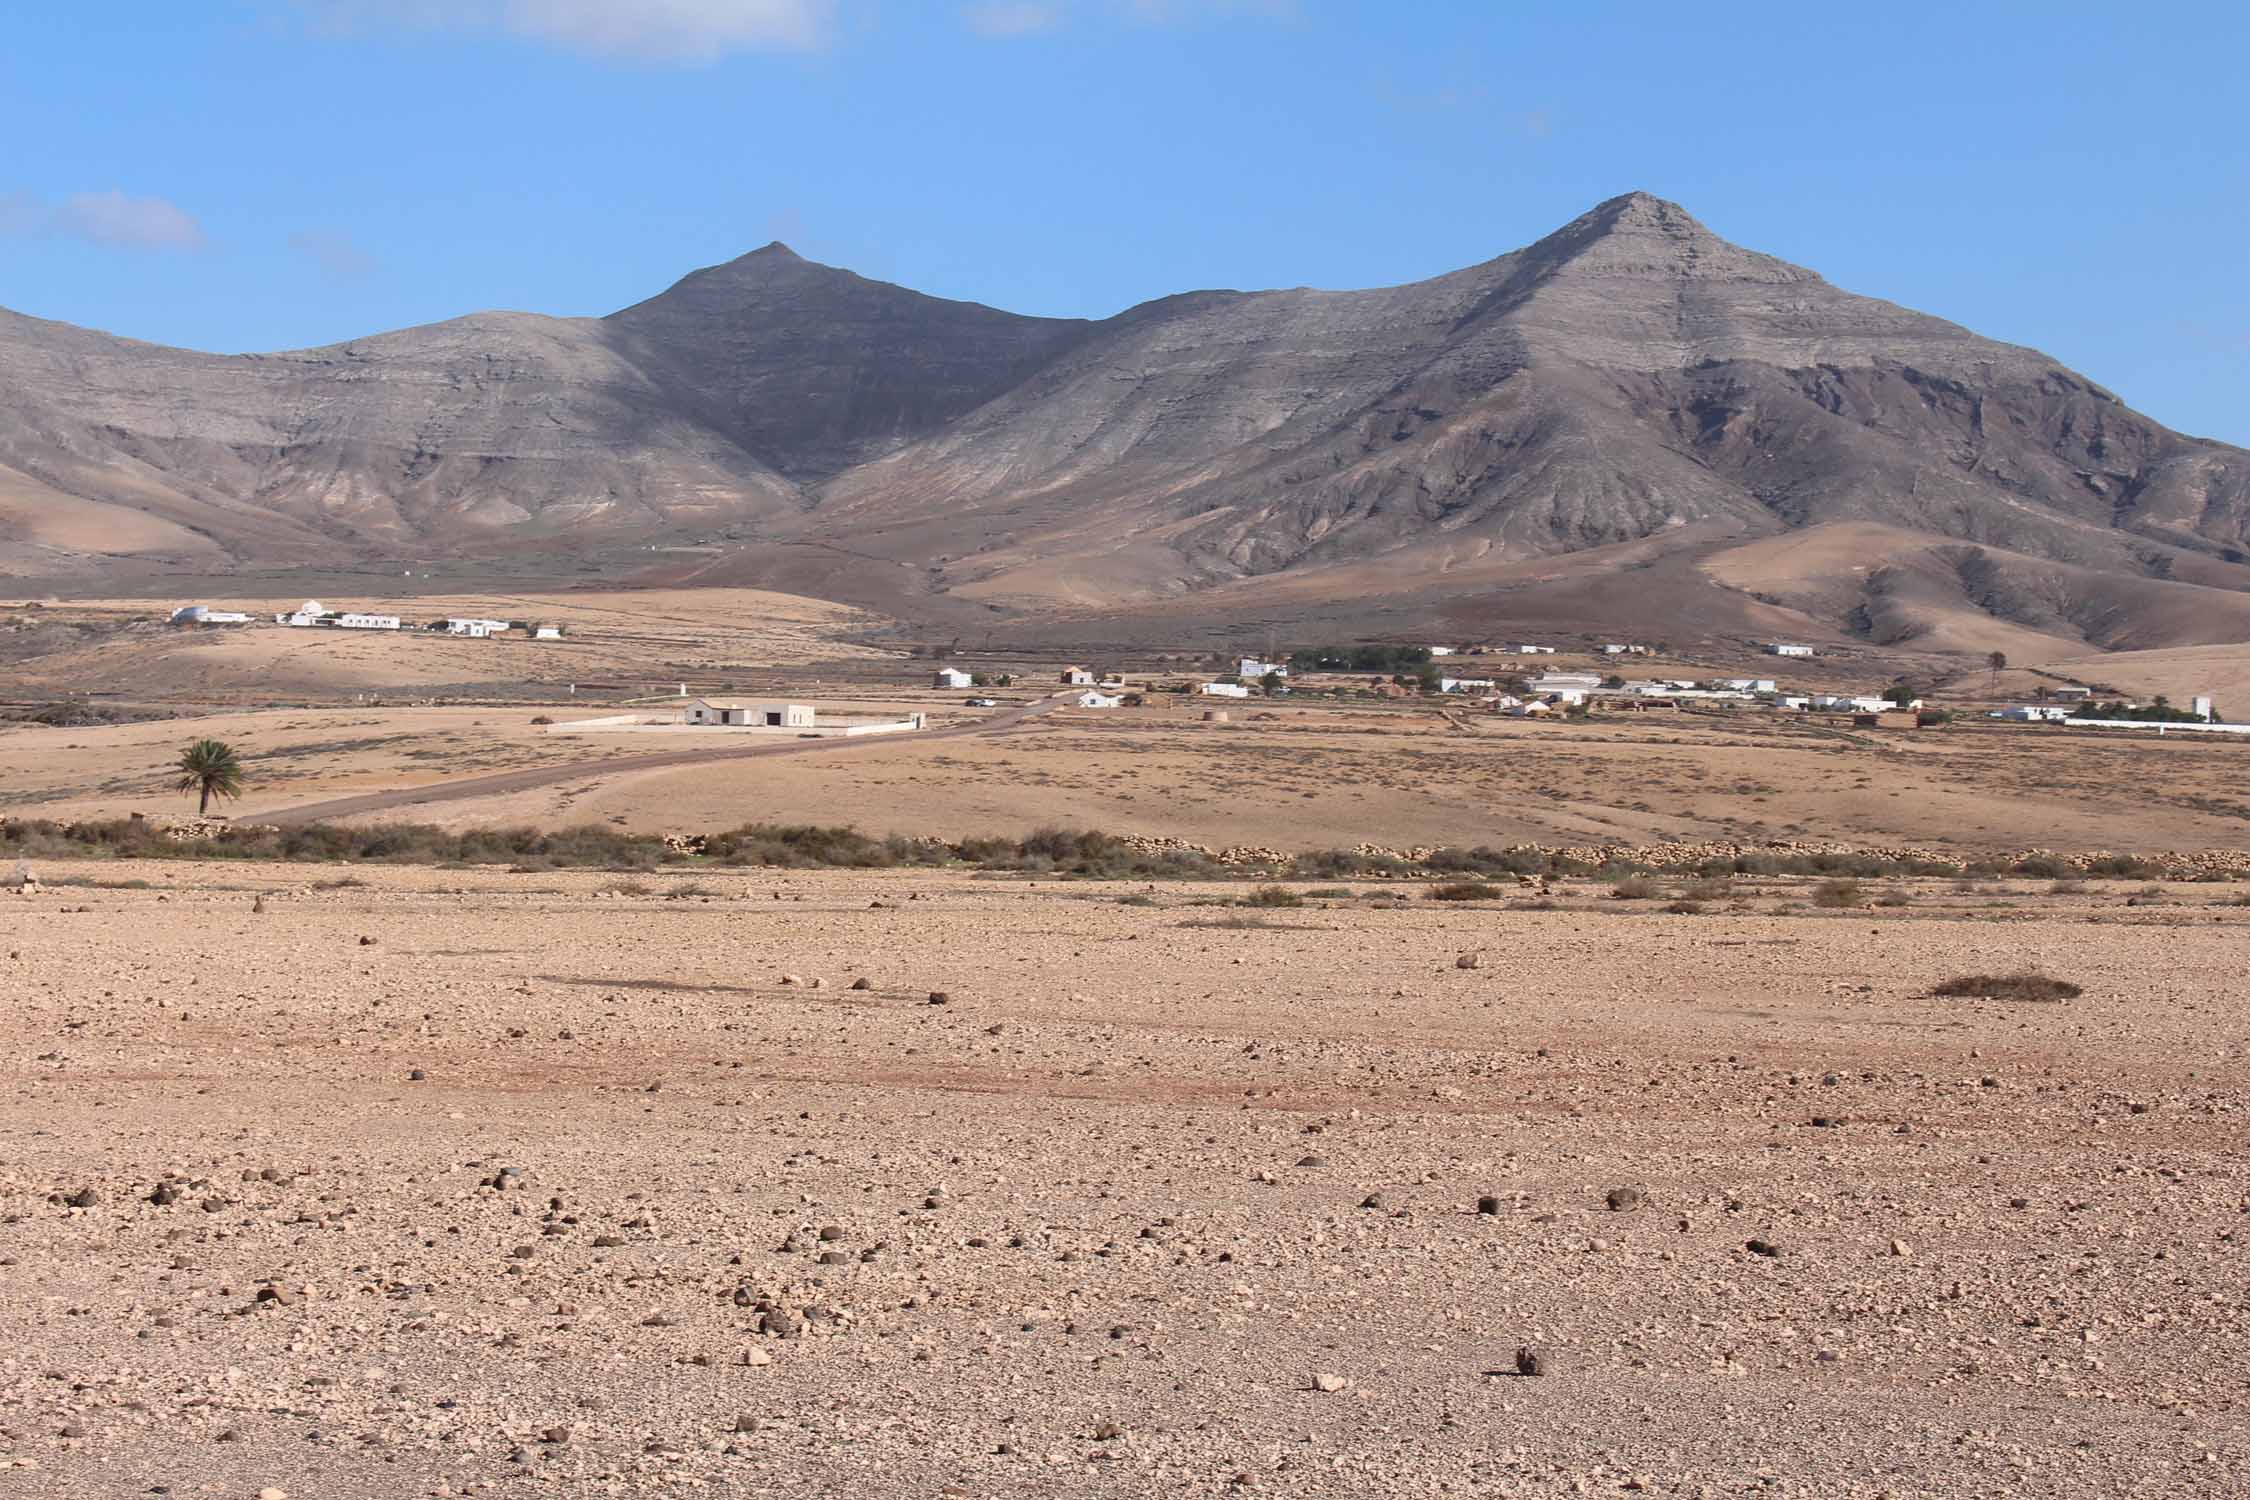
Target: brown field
(1288,776)
(1101,1222)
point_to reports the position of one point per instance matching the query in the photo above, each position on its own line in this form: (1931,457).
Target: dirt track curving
(499,783)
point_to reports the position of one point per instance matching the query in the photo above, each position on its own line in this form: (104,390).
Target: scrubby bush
(1636,888)
(1833,895)
(2027,986)
(1465,890)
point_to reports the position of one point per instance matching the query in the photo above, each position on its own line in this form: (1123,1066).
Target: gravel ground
(460,1183)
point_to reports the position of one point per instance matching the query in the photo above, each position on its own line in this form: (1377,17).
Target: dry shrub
(1834,895)
(1636,888)
(1465,890)
(2032,987)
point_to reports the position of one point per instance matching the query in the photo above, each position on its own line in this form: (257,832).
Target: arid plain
(379,1180)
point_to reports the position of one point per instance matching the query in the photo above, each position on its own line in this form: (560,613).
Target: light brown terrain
(456,1182)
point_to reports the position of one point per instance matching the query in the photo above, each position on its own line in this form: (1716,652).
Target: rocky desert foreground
(402,1182)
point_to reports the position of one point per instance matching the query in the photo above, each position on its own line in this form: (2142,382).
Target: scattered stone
(84,1198)
(1328,1383)
(1901,1249)
(1531,1359)
(1766,1248)
(366,942)
(940,997)
(415,1075)
(1469,961)
(862,983)
(1108,1432)
(1488,1204)
(1623,1199)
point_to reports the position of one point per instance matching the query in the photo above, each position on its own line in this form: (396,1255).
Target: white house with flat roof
(357,621)
(1786,648)
(1223,690)
(750,711)
(951,677)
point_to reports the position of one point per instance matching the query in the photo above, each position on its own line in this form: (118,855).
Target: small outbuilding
(951,677)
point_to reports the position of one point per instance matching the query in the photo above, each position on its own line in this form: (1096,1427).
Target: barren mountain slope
(1630,374)
(1630,378)
(498,425)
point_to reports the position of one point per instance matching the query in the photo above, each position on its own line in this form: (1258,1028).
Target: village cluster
(1554,692)
(312,614)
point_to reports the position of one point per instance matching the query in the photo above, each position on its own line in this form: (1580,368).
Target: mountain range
(1630,423)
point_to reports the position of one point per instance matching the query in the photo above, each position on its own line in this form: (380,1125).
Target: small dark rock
(1532,1360)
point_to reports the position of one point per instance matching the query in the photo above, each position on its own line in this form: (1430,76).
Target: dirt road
(466,787)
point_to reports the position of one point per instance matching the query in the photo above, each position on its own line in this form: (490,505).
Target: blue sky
(276,173)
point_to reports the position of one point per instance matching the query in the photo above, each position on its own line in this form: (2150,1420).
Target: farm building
(1466,684)
(1784,648)
(475,629)
(1077,677)
(546,633)
(311,612)
(750,711)
(951,677)
(1092,699)
(197,614)
(1223,690)
(1252,668)
(357,621)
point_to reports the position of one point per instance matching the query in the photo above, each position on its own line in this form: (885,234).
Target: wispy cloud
(1006,18)
(642,30)
(111,218)
(1013,18)
(1180,12)
(334,253)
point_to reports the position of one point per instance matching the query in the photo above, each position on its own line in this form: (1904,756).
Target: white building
(477,629)
(197,614)
(2033,713)
(1752,684)
(1532,710)
(951,677)
(1253,669)
(1077,677)
(1783,648)
(1466,684)
(1531,651)
(311,612)
(1092,699)
(356,621)
(2199,706)
(1441,650)
(750,712)
(1223,690)
(1566,682)
(547,633)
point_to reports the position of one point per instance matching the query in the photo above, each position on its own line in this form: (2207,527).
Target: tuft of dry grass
(2027,986)
(1465,890)
(1834,895)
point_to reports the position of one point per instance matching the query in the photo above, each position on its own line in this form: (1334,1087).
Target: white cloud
(111,218)
(648,30)
(1006,18)
(334,253)
(1180,12)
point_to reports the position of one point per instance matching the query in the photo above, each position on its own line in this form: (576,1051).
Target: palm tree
(1998,662)
(210,769)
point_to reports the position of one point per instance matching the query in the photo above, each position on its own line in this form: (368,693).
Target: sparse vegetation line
(1082,854)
